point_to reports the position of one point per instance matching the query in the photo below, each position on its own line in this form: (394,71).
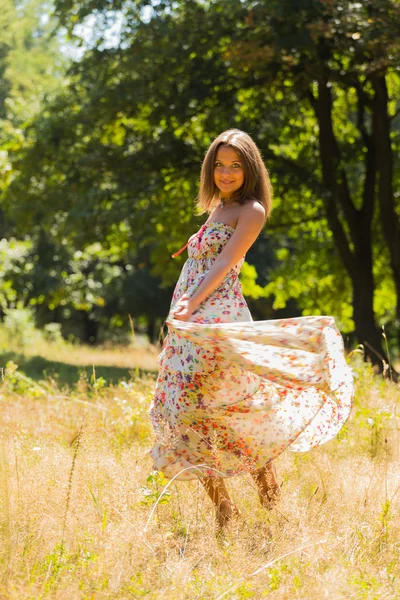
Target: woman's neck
(227,201)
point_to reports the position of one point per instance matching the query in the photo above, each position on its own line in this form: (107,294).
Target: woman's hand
(183,309)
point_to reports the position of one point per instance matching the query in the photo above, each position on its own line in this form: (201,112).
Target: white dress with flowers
(233,393)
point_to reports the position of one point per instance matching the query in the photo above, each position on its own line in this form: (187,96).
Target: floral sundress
(233,393)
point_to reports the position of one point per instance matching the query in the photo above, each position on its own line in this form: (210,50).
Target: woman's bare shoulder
(252,209)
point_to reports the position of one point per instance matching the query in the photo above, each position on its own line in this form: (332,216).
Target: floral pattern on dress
(233,393)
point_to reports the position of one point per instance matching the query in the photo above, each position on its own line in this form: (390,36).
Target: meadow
(84,517)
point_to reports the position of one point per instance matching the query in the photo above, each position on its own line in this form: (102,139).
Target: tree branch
(361,115)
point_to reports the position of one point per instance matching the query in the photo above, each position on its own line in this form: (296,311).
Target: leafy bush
(20,326)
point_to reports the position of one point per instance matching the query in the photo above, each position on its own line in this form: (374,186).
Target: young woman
(233,393)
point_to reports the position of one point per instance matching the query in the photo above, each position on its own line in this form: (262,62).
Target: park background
(106,111)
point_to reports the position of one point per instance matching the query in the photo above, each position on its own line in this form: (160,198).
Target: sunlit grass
(122,356)
(77,492)
(66,362)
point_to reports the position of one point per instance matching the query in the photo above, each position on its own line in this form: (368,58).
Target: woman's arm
(250,223)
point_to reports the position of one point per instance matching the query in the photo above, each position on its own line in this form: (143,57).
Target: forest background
(106,111)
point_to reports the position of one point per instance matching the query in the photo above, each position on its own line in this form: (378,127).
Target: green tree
(124,142)
(337,60)
(30,71)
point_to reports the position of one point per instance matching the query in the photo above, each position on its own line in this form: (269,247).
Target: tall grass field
(83,516)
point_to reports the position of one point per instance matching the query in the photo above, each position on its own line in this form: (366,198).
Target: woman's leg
(267,485)
(224,507)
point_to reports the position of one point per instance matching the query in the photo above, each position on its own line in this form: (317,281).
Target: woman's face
(228,171)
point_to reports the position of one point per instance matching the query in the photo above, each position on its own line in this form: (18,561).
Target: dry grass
(74,507)
(142,357)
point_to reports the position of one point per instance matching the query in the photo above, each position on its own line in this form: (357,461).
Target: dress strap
(180,251)
(196,235)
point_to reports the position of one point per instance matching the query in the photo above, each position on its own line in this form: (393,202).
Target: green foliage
(20,326)
(248,279)
(154,490)
(117,151)
(34,63)
(13,263)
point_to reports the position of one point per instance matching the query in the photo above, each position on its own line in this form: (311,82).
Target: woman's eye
(234,165)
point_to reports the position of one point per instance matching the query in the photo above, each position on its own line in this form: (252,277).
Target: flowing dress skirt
(233,393)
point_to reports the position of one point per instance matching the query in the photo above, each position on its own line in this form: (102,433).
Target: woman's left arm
(247,230)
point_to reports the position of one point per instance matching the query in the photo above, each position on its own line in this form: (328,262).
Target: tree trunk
(151,329)
(91,329)
(390,222)
(353,242)
(366,330)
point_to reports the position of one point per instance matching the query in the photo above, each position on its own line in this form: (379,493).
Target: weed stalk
(77,443)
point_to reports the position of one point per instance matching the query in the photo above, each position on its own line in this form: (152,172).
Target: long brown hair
(257,184)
